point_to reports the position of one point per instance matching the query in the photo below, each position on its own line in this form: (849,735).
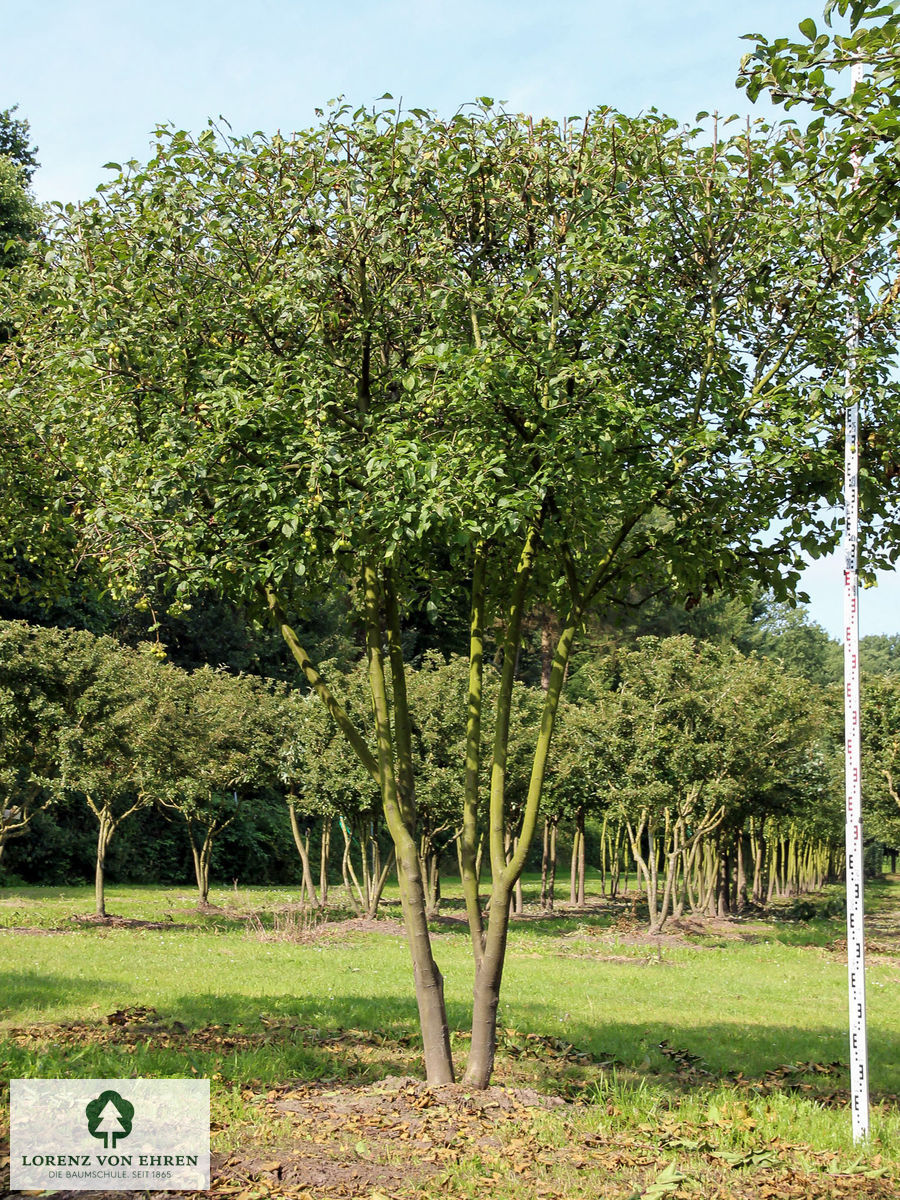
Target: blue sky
(94,77)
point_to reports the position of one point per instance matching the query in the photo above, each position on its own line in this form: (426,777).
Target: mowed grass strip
(695,1048)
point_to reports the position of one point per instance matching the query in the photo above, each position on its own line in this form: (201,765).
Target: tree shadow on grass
(762,1057)
(37,990)
(358,1038)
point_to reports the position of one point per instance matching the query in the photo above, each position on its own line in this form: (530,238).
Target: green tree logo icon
(109,1117)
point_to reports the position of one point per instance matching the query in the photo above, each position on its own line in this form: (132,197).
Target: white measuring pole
(856,954)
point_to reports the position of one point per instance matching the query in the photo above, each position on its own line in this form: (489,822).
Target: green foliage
(804,649)
(294,383)
(15,142)
(215,748)
(695,728)
(18,215)
(33,695)
(880,738)
(879,654)
(848,122)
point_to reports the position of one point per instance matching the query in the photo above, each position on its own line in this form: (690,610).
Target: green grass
(252,1013)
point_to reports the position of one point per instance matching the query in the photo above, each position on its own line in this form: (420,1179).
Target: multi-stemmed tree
(214,747)
(77,720)
(485,362)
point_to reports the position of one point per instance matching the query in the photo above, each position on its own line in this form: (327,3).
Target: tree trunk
(201,855)
(580,819)
(205,858)
(490,971)
(759,859)
(645,867)
(302,845)
(545,854)
(200,876)
(518,898)
(552,892)
(469,845)
(355,896)
(103,839)
(710,876)
(324,852)
(573,868)
(431,874)
(741,881)
(378,884)
(616,862)
(398,802)
(397,796)
(723,905)
(486,996)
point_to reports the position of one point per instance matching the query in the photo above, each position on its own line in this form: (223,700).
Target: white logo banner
(107,1135)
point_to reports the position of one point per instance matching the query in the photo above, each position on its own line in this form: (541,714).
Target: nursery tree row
(714,773)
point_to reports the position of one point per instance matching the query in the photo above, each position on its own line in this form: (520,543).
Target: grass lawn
(710,1061)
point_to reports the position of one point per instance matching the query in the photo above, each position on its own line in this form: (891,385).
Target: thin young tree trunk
(434,881)
(580,819)
(426,860)
(616,867)
(759,861)
(198,868)
(662,915)
(683,897)
(792,881)
(303,851)
(741,881)
(545,854)
(351,883)
(722,902)
(710,877)
(573,868)
(518,898)
(366,889)
(379,882)
(103,838)
(603,849)
(374,868)
(324,853)
(551,897)
(205,859)
(644,866)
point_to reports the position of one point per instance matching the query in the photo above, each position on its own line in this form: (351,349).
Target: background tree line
(709,774)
